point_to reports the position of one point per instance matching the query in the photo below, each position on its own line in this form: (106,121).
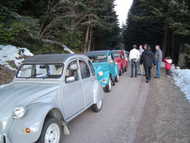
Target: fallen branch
(59,44)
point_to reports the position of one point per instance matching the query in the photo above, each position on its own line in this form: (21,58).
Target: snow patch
(182,80)
(11,53)
(5,85)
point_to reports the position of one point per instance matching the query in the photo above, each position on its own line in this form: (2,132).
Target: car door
(73,100)
(88,79)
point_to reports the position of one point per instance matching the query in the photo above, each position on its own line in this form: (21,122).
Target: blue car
(106,69)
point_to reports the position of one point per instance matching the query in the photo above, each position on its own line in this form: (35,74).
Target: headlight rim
(18,114)
(100,73)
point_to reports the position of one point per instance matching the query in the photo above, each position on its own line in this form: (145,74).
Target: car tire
(117,78)
(108,88)
(120,73)
(98,106)
(113,81)
(125,69)
(52,130)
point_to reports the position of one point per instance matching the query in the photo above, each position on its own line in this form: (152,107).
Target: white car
(47,92)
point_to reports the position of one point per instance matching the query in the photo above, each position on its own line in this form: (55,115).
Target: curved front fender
(116,68)
(34,119)
(104,80)
(98,93)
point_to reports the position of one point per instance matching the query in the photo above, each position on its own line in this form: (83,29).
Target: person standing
(140,68)
(134,57)
(158,60)
(147,59)
(141,50)
(168,65)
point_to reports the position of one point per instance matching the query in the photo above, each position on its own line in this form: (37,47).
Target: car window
(85,71)
(110,59)
(25,71)
(40,71)
(71,74)
(91,67)
(116,55)
(98,58)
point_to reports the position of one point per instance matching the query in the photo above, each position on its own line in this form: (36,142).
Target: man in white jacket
(134,57)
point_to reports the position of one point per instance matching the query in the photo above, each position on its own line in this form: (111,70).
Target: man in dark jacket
(147,59)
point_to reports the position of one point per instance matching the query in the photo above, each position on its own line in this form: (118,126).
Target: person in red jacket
(168,65)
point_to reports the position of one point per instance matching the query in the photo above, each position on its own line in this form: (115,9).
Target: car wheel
(113,81)
(51,132)
(108,88)
(120,73)
(125,69)
(117,78)
(98,106)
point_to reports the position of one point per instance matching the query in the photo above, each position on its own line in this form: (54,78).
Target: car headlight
(101,73)
(19,112)
(3,124)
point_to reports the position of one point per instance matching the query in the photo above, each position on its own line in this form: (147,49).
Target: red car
(120,57)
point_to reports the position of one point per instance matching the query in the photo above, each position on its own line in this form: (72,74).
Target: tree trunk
(164,45)
(86,39)
(90,38)
(173,47)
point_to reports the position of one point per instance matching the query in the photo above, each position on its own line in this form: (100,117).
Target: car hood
(22,94)
(103,66)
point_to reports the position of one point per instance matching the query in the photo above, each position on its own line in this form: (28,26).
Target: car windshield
(116,54)
(98,58)
(40,71)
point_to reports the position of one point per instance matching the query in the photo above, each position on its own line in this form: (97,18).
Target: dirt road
(136,112)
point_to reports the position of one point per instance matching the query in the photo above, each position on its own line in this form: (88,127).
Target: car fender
(104,80)
(98,93)
(116,70)
(34,120)
(119,64)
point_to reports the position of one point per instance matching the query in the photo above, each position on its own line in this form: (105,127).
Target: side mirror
(70,79)
(73,67)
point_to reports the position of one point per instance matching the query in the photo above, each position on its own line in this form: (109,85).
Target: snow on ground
(5,85)
(11,53)
(182,80)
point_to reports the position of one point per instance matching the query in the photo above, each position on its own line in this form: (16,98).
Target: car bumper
(6,138)
(104,82)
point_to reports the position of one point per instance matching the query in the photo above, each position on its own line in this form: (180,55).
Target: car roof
(49,58)
(113,51)
(94,53)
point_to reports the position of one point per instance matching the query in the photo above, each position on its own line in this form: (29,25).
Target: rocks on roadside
(6,75)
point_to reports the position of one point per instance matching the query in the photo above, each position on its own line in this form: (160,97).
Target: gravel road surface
(136,112)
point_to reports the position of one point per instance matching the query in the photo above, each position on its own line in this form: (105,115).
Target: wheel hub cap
(109,84)
(99,105)
(52,134)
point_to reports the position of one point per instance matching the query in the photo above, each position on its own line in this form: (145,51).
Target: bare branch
(58,44)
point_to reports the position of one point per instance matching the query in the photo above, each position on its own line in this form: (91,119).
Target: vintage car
(120,58)
(106,69)
(47,92)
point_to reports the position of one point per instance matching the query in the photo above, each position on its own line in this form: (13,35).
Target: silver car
(47,92)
